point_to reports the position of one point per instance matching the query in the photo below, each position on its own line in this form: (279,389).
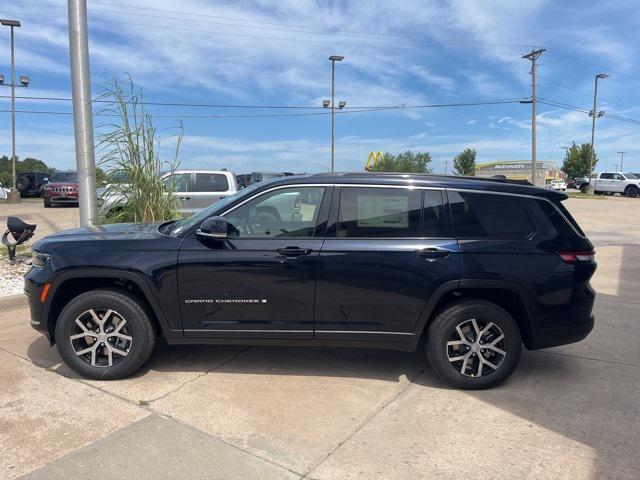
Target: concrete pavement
(231,412)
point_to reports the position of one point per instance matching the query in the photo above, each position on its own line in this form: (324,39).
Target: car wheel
(473,344)
(583,188)
(47,204)
(631,192)
(104,335)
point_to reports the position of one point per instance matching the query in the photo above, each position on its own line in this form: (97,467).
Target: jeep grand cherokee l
(475,267)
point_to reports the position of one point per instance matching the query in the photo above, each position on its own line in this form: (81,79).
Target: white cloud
(471,122)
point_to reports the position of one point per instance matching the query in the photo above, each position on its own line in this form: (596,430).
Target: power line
(585,110)
(174,13)
(268,115)
(212,105)
(245,35)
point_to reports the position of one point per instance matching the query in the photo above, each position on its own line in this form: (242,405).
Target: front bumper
(33,287)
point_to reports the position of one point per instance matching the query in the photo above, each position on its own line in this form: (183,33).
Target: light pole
(621,161)
(334,59)
(14,195)
(82,112)
(594,113)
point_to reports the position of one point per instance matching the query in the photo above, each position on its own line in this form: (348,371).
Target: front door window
(287,212)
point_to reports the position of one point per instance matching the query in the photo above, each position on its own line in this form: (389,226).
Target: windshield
(64,177)
(188,223)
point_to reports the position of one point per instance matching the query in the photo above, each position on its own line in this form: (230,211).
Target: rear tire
(631,192)
(104,335)
(463,358)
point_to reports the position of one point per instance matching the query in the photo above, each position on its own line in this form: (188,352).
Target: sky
(400,54)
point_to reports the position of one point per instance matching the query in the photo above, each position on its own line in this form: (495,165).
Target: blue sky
(410,52)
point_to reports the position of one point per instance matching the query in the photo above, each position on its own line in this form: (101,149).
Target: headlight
(39,259)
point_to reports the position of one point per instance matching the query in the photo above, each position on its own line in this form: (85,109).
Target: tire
(23,184)
(463,314)
(631,192)
(136,338)
(47,204)
(583,188)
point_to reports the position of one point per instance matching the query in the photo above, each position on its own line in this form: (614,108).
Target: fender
(133,277)
(476,283)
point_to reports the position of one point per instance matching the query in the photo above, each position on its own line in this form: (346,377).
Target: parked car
(617,182)
(247,179)
(476,267)
(30,184)
(62,189)
(579,182)
(557,185)
(196,189)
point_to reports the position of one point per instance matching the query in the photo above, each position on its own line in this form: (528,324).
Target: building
(520,170)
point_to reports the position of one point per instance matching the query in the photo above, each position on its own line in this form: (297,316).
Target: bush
(131,151)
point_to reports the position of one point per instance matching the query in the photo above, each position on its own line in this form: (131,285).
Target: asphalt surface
(571,412)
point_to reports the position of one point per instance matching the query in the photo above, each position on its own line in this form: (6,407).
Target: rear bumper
(556,336)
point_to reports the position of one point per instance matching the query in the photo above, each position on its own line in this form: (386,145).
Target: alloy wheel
(476,348)
(101,337)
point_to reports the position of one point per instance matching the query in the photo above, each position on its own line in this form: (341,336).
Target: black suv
(476,267)
(30,184)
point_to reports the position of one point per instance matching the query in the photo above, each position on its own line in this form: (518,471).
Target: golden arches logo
(372,161)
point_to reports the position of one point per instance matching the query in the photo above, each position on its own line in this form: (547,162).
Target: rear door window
(378,212)
(480,215)
(211,182)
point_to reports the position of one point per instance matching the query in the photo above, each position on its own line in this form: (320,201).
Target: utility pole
(533,57)
(621,161)
(594,113)
(446,166)
(82,113)
(14,195)
(334,59)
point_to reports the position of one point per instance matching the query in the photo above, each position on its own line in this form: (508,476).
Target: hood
(124,232)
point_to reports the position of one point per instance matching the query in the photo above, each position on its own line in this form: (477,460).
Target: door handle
(293,251)
(433,253)
(185,198)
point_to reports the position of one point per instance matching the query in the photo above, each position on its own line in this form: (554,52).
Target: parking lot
(267,412)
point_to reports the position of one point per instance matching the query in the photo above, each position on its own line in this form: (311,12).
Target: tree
(29,164)
(465,162)
(407,162)
(577,161)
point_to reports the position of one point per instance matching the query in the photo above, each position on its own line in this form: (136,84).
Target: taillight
(575,257)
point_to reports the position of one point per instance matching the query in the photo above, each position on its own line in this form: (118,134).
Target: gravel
(11,281)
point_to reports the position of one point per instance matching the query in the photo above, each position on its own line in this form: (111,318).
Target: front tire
(104,335)
(473,344)
(631,192)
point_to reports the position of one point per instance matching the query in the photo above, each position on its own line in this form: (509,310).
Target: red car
(62,189)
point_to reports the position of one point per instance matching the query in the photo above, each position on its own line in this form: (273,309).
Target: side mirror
(213,228)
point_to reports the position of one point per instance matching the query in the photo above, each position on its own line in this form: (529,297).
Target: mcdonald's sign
(374,158)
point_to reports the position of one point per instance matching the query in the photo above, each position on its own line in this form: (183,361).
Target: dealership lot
(233,412)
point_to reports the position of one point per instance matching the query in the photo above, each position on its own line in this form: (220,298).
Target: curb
(12,302)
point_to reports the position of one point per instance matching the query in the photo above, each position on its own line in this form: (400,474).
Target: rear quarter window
(488,215)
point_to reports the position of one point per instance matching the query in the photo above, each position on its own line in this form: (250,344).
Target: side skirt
(401,346)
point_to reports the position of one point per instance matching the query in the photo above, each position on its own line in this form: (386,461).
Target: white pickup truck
(617,182)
